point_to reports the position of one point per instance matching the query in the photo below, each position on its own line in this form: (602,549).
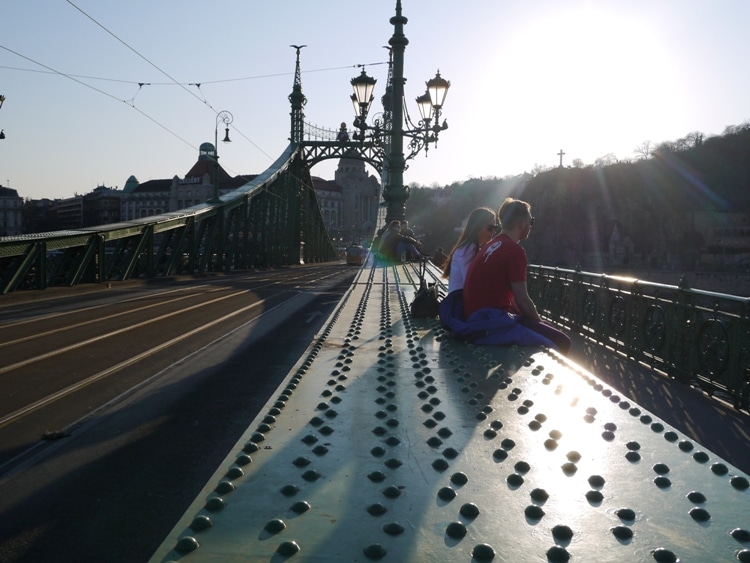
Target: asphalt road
(103,472)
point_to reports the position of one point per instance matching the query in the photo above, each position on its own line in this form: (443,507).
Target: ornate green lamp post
(430,105)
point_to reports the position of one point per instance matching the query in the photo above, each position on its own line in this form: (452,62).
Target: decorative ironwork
(691,335)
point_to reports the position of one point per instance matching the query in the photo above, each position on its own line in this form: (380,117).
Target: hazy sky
(529,78)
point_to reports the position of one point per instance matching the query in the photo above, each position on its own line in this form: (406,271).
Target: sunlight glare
(586,79)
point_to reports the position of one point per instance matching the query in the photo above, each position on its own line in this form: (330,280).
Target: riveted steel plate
(389,441)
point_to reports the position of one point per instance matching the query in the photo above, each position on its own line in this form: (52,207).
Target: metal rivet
(201,522)
(500,455)
(243,459)
(215,504)
(300,507)
(483,552)
(392,492)
(662,482)
(515,480)
(661,469)
(225,487)
(274,526)
(301,461)
(569,468)
(447,494)
(288,548)
(719,469)
(557,554)
(596,481)
(377,451)
(459,478)
(187,544)
(622,532)
(522,467)
(633,456)
(450,453)
(289,490)
(377,509)
(699,514)
(250,448)
(740,535)
(374,551)
(594,497)
(539,495)
(376,476)
(662,555)
(456,530)
(234,473)
(508,444)
(440,465)
(393,463)
(393,528)
(469,510)
(311,476)
(534,512)
(573,456)
(700,457)
(696,497)
(562,532)
(739,483)
(625,514)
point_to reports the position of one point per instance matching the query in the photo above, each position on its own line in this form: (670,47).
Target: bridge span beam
(390,441)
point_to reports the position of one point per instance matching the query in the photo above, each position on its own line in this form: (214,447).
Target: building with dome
(353,210)
(154,197)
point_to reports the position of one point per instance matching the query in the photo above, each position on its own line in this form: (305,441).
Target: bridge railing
(273,220)
(691,335)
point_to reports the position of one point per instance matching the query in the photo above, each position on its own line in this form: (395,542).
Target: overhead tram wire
(204,101)
(71,77)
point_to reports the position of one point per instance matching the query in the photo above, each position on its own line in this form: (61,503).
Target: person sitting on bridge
(393,244)
(495,302)
(480,228)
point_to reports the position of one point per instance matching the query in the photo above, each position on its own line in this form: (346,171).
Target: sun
(589,79)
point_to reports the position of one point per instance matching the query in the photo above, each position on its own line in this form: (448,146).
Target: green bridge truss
(274,220)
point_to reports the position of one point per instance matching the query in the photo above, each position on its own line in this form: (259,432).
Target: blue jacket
(487,327)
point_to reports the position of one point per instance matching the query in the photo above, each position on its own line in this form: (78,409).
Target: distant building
(101,206)
(360,194)
(69,213)
(329,195)
(11,207)
(349,204)
(197,186)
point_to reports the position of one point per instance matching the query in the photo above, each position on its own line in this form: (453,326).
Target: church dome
(131,184)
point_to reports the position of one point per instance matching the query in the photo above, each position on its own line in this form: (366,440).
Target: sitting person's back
(393,243)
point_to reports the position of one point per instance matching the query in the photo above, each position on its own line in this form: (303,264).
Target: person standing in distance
(496,278)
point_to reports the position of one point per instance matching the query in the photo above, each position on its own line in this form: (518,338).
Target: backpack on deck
(426,303)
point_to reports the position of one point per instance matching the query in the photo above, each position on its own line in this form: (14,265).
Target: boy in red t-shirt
(496,278)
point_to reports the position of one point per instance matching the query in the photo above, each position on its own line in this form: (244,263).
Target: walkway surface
(389,441)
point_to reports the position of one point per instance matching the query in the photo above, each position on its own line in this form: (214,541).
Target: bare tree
(605,160)
(644,150)
(577,163)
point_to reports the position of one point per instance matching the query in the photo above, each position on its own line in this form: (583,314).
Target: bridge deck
(390,441)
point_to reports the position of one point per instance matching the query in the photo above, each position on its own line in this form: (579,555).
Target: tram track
(69,351)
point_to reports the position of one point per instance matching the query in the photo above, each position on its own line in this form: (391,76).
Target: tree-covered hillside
(663,211)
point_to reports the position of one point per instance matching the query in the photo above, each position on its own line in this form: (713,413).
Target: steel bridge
(390,441)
